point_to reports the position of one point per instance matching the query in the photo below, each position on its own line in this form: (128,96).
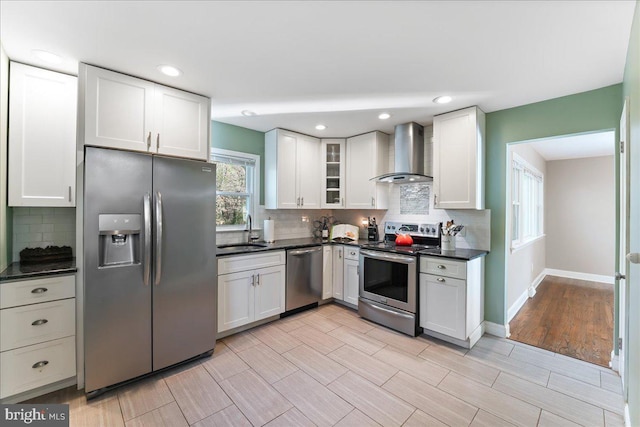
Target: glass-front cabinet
(333,175)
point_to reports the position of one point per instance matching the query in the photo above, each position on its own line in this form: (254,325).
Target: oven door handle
(387,257)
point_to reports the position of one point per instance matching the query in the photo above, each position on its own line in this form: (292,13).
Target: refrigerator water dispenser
(119,242)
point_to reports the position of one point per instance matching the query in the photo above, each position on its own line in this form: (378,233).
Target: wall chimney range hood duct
(409,156)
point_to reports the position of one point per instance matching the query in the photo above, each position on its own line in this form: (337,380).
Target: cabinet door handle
(158,143)
(339,254)
(373,201)
(302,201)
(435,199)
(39,322)
(253,280)
(440,279)
(69,193)
(149,141)
(442,267)
(258,279)
(39,290)
(40,364)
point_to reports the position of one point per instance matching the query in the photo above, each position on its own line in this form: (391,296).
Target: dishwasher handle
(301,252)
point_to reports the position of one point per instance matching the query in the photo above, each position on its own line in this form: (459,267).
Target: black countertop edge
(462,254)
(18,271)
(284,245)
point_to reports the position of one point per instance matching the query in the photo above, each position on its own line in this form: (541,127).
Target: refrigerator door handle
(147,239)
(158,250)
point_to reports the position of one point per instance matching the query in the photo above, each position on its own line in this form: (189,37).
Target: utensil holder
(448,243)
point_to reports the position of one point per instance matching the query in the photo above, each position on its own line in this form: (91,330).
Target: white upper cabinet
(367,157)
(42,137)
(129,113)
(292,170)
(458,159)
(182,122)
(333,154)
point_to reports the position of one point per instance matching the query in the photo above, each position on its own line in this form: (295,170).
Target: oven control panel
(414,229)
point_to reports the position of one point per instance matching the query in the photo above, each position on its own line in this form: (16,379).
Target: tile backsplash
(289,223)
(42,227)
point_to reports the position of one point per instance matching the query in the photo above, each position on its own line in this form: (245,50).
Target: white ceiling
(300,63)
(576,146)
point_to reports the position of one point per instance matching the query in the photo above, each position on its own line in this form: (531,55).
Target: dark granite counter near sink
(283,244)
(460,254)
(18,271)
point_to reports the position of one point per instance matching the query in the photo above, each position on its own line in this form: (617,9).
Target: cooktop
(425,237)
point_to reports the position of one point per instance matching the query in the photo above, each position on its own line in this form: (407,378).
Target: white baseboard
(580,276)
(516,306)
(497,330)
(614,364)
(627,416)
(522,299)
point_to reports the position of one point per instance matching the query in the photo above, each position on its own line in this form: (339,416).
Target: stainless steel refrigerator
(149,264)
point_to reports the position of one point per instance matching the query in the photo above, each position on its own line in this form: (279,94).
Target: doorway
(560,248)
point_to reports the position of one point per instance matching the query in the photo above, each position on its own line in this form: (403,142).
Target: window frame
(253,193)
(527,203)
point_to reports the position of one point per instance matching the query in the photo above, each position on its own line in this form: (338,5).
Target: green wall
(230,137)
(583,112)
(631,88)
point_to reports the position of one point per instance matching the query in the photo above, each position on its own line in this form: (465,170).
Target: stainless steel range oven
(388,277)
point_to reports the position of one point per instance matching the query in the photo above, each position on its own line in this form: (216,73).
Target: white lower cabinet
(338,270)
(351,284)
(442,300)
(37,334)
(246,293)
(327,272)
(345,273)
(451,299)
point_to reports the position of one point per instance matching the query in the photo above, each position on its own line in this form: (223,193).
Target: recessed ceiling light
(248,113)
(321,127)
(442,99)
(45,56)
(384,116)
(169,70)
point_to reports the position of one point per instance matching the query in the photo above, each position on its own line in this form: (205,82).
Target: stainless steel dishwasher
(304,277)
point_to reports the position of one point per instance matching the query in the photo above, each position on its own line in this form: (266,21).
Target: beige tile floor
(329,367)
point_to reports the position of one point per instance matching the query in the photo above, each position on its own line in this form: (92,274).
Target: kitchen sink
(242,245)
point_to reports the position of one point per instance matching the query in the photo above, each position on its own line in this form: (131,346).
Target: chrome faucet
(250,237)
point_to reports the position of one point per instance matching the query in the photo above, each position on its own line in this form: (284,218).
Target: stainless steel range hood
(409,156)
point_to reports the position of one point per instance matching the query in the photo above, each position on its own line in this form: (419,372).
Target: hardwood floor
(568,316)
(328,366)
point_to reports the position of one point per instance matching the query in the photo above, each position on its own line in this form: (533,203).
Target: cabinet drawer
(34,366)
(443,267)
(233,264)
(36,323)
(33,291)
(351,252)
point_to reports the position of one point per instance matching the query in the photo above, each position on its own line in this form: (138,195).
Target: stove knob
(393,227)
(433,230)
(422,230)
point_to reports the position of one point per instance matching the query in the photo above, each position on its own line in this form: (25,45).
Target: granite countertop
(461,254)
(18,271)
(283,245)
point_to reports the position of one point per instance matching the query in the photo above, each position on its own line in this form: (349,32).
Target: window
(236,183)
(527,202)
